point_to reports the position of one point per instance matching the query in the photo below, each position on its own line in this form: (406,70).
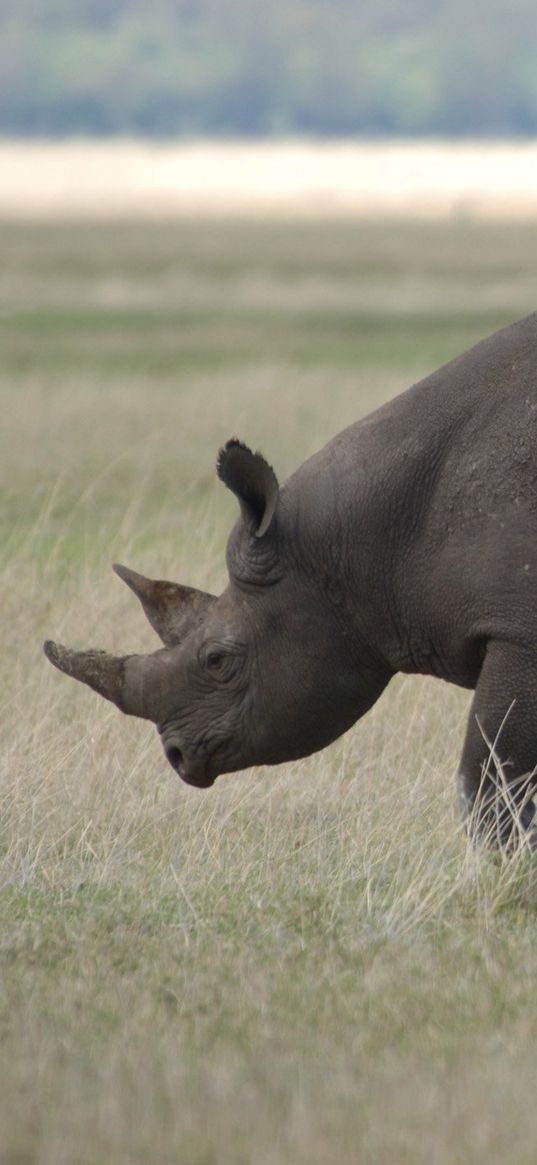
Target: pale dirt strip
(307,179)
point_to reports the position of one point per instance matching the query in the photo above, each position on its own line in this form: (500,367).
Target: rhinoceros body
(407,544)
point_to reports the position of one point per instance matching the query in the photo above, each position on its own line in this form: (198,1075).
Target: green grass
(167,301)
(162,343)
(305,964)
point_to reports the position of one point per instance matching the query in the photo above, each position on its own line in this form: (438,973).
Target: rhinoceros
(407,544)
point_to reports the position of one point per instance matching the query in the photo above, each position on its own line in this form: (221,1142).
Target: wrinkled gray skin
(407,544)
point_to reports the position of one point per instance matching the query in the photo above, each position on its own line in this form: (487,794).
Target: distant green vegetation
(228,67)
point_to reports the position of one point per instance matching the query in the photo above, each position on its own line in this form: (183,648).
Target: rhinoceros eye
(221,661)
(214,660)
(213,657)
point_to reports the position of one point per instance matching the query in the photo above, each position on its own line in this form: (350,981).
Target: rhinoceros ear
(173,611)
(252,480)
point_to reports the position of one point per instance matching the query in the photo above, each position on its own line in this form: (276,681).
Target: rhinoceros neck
(388,498)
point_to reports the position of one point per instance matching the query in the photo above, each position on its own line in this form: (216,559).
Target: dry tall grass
(303,964)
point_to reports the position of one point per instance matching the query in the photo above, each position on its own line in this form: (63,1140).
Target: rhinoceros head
(241,678)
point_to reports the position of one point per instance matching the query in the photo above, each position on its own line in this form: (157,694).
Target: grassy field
(303,966)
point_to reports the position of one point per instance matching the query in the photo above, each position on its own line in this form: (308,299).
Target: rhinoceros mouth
(189,772)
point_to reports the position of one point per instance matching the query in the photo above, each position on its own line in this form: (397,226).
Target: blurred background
(157,85)
(246,68)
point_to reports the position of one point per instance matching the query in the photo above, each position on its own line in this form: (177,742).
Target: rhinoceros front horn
(125,680)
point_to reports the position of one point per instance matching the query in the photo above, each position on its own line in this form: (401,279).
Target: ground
(305,964)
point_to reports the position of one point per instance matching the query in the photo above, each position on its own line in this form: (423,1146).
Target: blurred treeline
(268,67)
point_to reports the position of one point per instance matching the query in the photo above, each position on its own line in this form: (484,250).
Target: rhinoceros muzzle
(190,771)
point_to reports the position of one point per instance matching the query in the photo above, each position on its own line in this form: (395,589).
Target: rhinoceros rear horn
(125,680)
(253,482)
(172,610)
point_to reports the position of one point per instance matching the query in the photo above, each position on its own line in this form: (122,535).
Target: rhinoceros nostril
(175,757)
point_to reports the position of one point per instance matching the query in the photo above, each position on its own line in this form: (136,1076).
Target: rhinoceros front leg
(499,760)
